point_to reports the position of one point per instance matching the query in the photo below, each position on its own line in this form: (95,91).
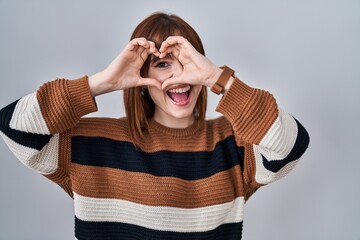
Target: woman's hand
(124,71)
(197,69)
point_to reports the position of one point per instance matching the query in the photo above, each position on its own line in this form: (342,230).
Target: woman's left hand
(197,69)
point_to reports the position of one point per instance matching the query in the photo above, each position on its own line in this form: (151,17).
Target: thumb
(150,82)
(171,81)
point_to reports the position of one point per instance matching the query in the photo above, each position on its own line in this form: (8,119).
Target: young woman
(163,171)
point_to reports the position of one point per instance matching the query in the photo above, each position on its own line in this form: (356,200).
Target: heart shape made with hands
(196,68)
(124,71)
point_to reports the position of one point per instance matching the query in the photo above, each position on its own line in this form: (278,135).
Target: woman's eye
(162,65)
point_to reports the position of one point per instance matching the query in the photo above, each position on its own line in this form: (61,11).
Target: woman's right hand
(124,70)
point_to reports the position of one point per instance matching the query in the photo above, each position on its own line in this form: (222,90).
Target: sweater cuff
(234,100)
(82,101)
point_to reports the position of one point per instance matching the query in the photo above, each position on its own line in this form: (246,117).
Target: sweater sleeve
(36,127)
(274,140)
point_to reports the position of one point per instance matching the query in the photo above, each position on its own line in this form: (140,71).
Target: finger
(176,40)
(174,50)
(145,54)
(171,81)
(142,42)
(145,48)
(170,41)
(153,49)
(136,42)
(150,82)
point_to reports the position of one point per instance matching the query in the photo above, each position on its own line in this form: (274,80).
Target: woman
(163,171)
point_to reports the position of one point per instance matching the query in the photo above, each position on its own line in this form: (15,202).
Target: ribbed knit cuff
(81,99)
(233,102)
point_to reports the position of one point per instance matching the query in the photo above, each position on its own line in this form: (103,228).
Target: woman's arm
(32,126)
(273,139)
(37,127)
(124,71)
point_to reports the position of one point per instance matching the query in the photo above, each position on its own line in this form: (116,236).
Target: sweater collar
(176,132)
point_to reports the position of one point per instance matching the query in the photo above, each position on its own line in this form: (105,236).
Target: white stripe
(44,161)
(160,218)
(276,145)
(27,116)
(280,138)
(264,176)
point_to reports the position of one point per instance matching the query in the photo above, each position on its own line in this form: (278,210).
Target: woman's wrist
(214,76)
(98,84)
(224,77)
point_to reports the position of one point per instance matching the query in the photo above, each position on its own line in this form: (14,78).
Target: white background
(305,52)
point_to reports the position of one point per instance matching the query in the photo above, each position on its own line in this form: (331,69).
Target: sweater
(189,183)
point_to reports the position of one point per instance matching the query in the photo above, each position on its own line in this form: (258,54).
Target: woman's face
(174,106)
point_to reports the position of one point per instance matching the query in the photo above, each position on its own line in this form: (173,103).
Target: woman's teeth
(179,90)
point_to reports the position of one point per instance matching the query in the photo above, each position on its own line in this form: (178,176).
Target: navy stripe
(96,151)
(35,141)
(301,143)
(122,231)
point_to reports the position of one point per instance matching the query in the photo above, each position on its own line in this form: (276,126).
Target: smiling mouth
(180,95)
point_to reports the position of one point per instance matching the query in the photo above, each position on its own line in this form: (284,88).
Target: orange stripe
(102,182)
(52,105)
(250,185)
(258,115)
(67,100)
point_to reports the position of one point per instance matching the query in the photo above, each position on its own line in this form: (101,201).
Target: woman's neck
(172,122)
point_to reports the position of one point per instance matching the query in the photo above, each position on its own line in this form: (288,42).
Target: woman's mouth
(180,95)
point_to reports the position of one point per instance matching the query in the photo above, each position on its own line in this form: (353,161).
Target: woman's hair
(138,104)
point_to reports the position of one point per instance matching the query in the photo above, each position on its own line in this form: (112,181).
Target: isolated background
(305,52)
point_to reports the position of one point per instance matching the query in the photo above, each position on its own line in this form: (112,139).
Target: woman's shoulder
(115,128)
(219,127)
(219,123)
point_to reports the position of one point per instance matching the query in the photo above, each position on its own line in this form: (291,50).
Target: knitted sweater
(189,183)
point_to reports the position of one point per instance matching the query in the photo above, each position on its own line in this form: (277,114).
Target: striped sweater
(187,183)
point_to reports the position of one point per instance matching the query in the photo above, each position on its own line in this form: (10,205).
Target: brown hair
(157,28)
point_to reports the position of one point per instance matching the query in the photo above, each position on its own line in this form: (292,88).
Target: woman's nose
(177,69)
